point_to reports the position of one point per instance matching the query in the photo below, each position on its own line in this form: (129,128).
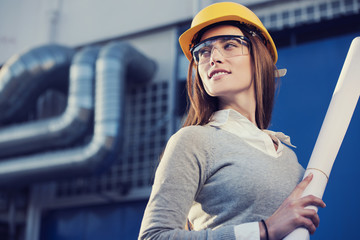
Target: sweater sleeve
(178,178)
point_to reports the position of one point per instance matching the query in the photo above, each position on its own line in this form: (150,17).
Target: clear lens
(228,46)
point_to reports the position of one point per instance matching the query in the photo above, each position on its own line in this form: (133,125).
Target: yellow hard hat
(225,11)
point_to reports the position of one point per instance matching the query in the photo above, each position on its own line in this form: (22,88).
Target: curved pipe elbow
(116,63)
(24,77)
(60,130)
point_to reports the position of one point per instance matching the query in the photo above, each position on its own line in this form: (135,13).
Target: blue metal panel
(304,96)
(115,221)
(63,225)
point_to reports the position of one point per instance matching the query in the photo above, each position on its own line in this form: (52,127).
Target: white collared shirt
(235,123)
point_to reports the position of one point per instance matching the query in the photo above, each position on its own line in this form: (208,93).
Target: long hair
(201,105)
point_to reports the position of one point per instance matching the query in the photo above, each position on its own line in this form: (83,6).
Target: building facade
(312,37)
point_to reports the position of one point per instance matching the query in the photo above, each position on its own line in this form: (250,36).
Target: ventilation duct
(24,77)
(116,63)
(64,129)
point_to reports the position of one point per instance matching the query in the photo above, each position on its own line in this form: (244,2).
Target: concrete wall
(25,24)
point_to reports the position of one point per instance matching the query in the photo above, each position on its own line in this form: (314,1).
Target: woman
(224,172)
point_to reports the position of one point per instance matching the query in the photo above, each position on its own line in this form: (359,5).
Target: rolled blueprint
(333,129)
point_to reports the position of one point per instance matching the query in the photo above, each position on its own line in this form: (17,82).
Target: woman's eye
(230,45)
(204,52)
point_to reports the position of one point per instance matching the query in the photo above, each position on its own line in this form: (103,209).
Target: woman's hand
(293,214)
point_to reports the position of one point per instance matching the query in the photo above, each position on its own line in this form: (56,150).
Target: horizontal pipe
(117,62)
(24,77)
(62,130)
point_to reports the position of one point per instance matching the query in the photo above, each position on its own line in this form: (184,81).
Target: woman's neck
(243,102)
(246,108)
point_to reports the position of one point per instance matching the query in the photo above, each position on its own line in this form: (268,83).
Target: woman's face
(226,77)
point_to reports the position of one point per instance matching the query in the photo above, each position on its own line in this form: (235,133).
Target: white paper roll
(333,129)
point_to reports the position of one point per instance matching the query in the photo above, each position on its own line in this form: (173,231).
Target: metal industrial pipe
(64,129)
(24,77)
(116,63)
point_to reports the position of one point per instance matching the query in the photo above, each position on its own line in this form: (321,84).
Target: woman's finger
(312,215)
(309,225)
(306,218)
(311,200)
(299,189)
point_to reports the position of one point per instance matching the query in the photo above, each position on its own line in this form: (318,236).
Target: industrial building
(90,92)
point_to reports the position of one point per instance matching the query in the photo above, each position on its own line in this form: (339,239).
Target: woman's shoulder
(187,143)
(194,136)
(193,132)
(194,129)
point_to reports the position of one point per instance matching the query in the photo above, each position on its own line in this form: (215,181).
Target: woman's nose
(216,56)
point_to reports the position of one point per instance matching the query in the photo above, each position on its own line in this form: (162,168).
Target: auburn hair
(201,106)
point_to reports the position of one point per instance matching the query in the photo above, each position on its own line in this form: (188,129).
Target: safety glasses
(227,45)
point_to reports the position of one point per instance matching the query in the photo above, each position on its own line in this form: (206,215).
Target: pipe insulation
(116,63)
(24,77)
(59,131)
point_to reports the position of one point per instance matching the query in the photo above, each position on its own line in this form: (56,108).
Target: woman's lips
(216,74)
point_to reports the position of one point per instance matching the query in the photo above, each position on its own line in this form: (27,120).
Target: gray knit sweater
(218,181)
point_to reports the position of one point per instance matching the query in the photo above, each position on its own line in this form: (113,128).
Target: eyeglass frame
(244,38)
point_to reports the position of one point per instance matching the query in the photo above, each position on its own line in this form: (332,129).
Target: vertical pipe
(54,15)
(11,217)
(196,6)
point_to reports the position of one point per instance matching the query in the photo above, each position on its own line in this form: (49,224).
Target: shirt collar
(281,136)
(222,117)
